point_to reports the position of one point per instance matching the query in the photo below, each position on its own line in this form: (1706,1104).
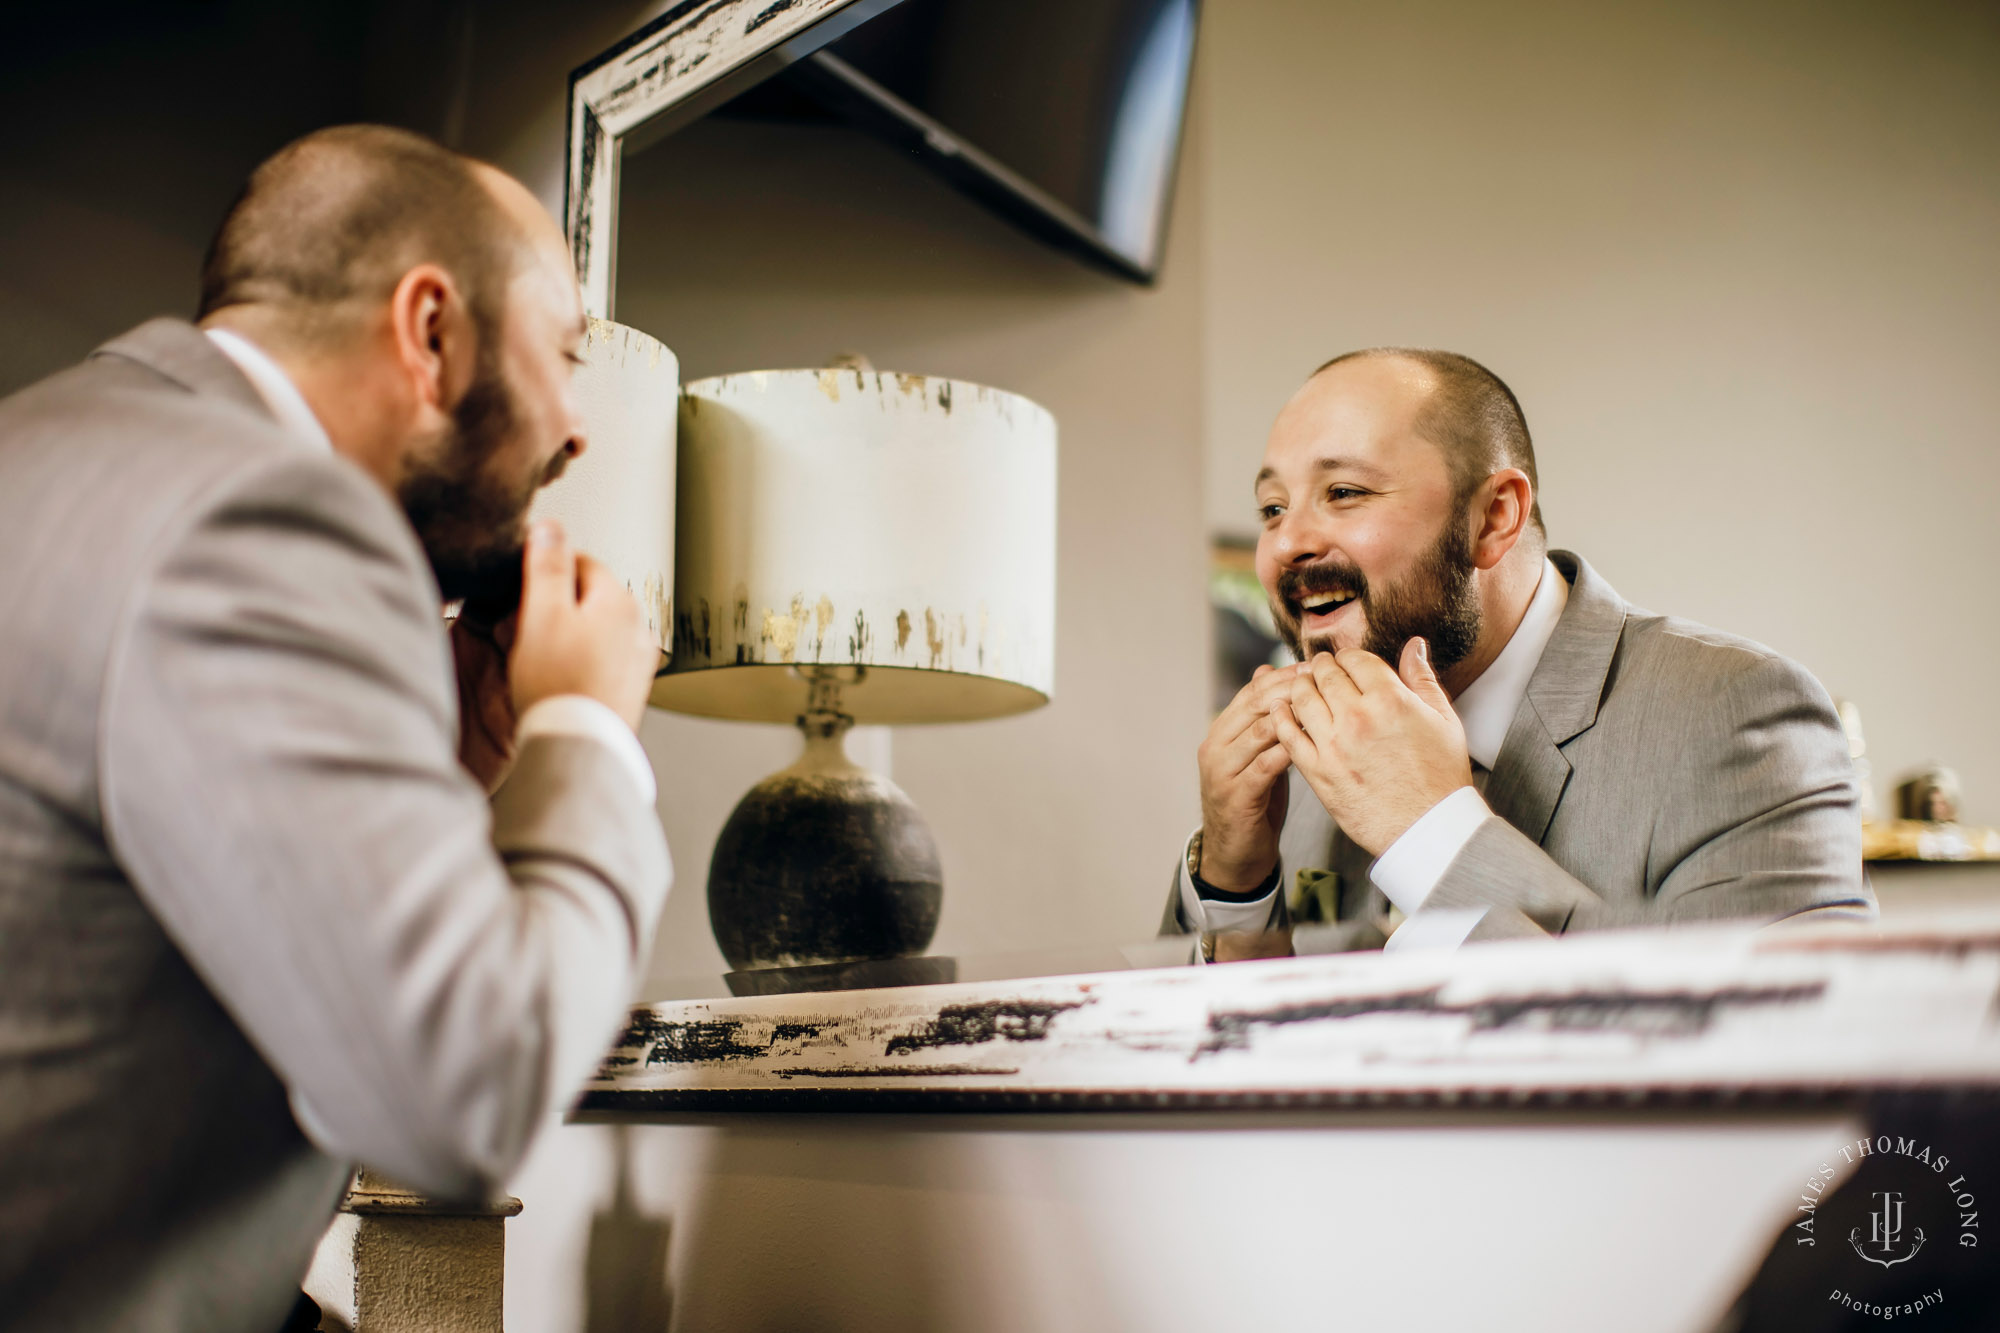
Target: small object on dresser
(1927,829)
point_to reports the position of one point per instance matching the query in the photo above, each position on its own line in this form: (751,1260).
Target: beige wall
(1739,262)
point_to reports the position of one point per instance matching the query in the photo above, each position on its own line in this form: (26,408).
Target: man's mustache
(1298,582)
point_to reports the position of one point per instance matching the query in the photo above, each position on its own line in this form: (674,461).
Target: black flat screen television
(1063,115)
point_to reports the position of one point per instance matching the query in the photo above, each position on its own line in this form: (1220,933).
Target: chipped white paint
(617,499)
(896,523)
(683,54)
(1713,1010)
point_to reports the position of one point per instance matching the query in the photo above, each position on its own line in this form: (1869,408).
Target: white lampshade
(617,500)
(856,518)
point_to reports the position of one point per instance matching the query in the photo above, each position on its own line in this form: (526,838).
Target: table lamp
(616,501)
(852,547)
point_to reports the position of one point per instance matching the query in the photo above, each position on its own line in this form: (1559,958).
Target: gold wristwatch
(1206,940)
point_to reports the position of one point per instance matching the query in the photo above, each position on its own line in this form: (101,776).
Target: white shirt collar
(274,386)
(1488,705)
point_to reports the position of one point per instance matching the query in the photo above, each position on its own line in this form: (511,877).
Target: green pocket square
(1315,897)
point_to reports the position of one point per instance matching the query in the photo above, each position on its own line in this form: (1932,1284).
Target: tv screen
(1064,115)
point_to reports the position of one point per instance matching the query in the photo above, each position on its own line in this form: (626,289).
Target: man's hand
(1379,750)
(580,632)
(485,703)
(1243,785)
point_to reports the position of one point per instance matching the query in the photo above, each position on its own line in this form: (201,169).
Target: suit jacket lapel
(1530,773)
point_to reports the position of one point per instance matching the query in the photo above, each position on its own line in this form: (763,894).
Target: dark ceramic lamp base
(823,862)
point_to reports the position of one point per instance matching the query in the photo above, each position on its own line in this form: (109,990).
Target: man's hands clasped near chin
(1378,747)
(1243,785)
(579,631)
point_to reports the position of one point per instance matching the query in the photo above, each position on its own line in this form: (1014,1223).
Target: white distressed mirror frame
(691,59)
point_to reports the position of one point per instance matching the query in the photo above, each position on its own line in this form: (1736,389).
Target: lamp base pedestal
(824,862)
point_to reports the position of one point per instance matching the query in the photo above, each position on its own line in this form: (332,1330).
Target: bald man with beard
(260,919)
(1479,739)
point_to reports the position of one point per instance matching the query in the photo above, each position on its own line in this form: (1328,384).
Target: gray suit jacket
(1656,772)
(241,870)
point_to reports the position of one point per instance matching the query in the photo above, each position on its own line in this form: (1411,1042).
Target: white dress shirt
(1411,866)
(560,715)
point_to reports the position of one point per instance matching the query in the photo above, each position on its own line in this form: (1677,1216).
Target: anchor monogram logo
(1885,1232)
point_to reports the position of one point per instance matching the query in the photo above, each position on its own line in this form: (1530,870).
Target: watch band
(1203,889)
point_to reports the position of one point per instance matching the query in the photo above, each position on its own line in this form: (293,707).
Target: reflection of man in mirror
(1481,733)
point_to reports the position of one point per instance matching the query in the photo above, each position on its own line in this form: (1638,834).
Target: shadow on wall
(625,1266)
(141,122)
(133,124)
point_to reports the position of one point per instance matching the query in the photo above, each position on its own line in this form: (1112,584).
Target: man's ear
(1500,512)
(433,335)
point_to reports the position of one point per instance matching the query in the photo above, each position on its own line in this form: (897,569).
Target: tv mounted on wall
(1064,116)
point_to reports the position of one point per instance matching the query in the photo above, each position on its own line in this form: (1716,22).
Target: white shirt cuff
(581,715)
(1441,928)
(1415,862)
(1207,914)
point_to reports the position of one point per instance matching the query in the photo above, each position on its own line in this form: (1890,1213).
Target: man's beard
(1437,602)
(471,522)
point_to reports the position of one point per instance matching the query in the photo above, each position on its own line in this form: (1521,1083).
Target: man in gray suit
(258,922)
(1480,739)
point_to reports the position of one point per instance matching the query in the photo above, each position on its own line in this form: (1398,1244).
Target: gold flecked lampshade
(617,500)
(899,524)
